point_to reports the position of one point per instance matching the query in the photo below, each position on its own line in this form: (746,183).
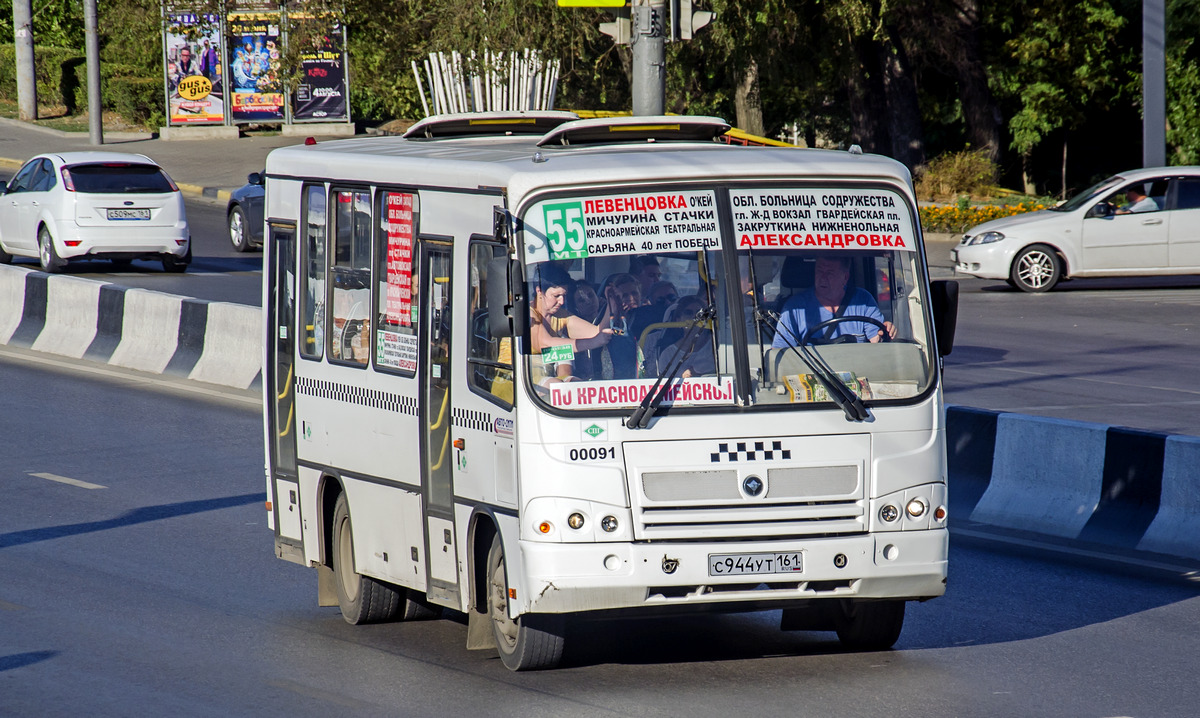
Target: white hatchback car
(1138,223)
(82,205)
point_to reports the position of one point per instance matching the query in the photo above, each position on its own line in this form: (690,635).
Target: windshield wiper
(641,416)
(841,394)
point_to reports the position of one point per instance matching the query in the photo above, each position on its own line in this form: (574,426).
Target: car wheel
(1036,268)
(239,229)
(47,255)
(177,265)
(530,642)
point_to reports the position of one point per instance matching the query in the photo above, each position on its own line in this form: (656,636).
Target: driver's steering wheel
(845,338)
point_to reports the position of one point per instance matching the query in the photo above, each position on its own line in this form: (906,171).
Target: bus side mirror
(943,296)
(505,298)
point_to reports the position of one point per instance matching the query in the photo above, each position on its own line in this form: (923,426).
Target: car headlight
(985,238)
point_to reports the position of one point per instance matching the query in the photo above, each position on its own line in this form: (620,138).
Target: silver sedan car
(1139,223)
(84,205)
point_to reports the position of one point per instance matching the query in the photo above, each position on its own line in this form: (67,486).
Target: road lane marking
(6,606)
(67,480)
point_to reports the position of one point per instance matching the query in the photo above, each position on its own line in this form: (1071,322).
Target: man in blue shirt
(822,302)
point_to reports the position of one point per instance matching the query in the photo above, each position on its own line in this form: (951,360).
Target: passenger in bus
(557,338)
(663,346)
(618,359)
(645,268)
(823,301)
(662,296)
(583,301)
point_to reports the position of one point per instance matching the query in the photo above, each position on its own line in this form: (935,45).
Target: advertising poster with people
(254,43)
(194,74)
(321,94)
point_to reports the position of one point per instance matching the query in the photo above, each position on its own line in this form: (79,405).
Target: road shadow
(20,660)
(1112,284)
(140,515)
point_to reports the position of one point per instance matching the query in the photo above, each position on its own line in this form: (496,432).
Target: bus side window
(312,274)
(489,359)
(350,328)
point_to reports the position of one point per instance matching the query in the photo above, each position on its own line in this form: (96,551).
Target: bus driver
(823,302)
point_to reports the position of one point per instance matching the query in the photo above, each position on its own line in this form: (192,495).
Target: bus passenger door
(437,455)
(281,382)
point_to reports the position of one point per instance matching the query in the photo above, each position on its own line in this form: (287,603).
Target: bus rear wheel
(361,598)
(533,641)
(870,625)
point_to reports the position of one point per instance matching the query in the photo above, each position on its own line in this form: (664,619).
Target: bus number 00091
(592,453)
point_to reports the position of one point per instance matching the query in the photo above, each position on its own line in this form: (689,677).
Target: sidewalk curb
(199,192)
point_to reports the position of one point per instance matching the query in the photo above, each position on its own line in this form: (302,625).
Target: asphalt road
(139,579)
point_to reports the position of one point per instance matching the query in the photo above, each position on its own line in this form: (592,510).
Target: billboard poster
(321,94)
(195,79)
(254,45)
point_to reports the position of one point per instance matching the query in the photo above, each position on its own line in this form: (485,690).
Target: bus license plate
(738,564)
(129,214)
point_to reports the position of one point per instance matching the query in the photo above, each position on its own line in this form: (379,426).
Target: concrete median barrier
(213,342)
(1093,484)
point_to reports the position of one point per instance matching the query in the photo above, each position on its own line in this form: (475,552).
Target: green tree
(1060,66)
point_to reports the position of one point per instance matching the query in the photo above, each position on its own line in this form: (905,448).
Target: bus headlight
(609,523)
(575,521)
(916,508)
(889,513)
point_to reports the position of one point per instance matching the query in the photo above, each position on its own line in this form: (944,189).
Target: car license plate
(954,255)
(739,564)
(129,214)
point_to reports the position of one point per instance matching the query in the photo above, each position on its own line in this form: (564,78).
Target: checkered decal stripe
(478,420)
(357,395)
(750,451)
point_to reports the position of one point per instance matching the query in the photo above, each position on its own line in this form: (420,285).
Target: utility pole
(92,44)
(1154,83)
(649,56)
(644,25)
(26,78)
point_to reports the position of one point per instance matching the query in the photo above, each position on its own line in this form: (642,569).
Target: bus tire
(533,641)
(870,625)
(361,598)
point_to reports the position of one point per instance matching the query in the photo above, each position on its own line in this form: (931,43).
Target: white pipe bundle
(487,82)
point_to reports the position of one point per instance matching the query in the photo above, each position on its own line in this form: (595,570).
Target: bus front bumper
(571,578)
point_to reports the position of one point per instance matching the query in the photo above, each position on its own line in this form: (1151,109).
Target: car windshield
(119,178)
(627,289)
(1088,194)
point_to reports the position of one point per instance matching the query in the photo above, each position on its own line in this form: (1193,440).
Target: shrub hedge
(62,80)
(955,219)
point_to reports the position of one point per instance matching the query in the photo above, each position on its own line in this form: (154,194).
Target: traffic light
(685,22)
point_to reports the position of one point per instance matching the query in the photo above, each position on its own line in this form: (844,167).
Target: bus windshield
(625,289)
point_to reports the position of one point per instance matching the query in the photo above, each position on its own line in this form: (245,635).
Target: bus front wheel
(870,625)
(532,641)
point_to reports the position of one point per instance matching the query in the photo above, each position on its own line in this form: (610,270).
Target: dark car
(244,216)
